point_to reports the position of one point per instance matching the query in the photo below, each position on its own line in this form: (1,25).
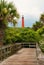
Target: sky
(31,9)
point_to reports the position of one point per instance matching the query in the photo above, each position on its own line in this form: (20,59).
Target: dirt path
(26,56)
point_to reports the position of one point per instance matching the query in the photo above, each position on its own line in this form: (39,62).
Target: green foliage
(13,35)
(37,25)
(42,18)
(8,13)
(42,46)
(41,41)
(41,32)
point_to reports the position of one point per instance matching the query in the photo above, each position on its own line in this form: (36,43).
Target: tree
(42,18)
(8,13)
(37,25)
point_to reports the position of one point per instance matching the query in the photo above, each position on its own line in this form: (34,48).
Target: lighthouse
(22,21)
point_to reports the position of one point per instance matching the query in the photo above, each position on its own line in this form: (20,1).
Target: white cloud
(29,7)
(35,12)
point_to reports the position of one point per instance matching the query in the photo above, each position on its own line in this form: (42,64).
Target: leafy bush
(13,35)
(41,41)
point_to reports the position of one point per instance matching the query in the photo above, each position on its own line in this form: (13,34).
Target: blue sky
(31,9)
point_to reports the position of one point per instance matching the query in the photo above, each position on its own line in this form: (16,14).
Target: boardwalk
(26,56)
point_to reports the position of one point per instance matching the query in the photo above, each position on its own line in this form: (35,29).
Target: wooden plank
(25,56)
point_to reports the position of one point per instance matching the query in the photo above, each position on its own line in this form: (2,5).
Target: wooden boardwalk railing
(6,51)
(40,55)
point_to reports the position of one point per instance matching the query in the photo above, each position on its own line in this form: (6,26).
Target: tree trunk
(1,37)
(2,34)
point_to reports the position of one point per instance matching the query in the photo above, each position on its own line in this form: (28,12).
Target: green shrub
(41,41)
(13,35)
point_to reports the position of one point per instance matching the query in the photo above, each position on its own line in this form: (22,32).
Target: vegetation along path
(25,56)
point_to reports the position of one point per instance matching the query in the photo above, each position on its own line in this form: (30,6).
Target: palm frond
(8,12)
(10,5)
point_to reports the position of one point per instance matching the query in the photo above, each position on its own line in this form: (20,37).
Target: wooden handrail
(8,50)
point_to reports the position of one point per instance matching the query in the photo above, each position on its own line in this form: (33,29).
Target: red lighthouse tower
(22,21)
